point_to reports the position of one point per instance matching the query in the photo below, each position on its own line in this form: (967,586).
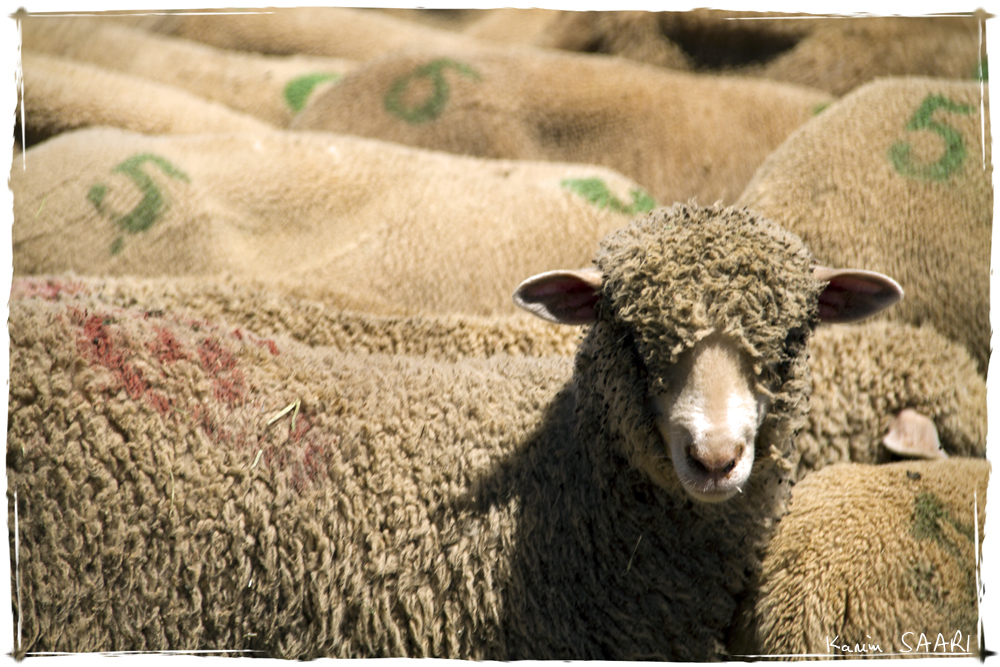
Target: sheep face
(697,353)
(709,418)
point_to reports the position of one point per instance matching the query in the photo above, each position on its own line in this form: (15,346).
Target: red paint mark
(166,347)
(271,346)
(214,357)
(315,461)
(302,426)
(96,343)
(228,382)
(48,289)
(162,403)
(230,390)
(302,453)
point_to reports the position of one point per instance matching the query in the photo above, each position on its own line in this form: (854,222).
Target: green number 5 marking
(153,203)
(434,105)
(954,153)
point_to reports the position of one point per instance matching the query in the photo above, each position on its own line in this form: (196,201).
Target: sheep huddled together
(288,407)
(492,509)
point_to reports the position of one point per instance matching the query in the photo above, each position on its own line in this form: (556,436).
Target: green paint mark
(435,103)
(96,195)
(596,192)
(820,108)
(298,90)
(922,583)
(954,154)
(153,203)
(928,513)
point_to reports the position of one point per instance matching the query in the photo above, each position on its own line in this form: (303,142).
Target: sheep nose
(715,460)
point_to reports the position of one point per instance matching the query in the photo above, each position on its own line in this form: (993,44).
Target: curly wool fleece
(482,509)
(725,270)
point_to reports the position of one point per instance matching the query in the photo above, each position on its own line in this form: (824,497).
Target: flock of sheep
(301,411)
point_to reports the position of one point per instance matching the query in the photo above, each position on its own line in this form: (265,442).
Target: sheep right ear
(563,297)
(854,294)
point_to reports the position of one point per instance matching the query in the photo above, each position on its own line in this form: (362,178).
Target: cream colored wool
(384,228)
(510,25)
(353,34)
(184,521)
(267,87)
(831,54)
(894,178)
(862,375)
(484,509)
(270,313)
(865,374)
(874,556)
(680,136)
(62,95)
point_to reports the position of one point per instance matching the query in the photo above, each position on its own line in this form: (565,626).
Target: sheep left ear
(854,294)
(563,297)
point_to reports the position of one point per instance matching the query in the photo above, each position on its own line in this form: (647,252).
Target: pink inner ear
(564,297)
(855,284)
(570,299)
(850,297)
(565,285)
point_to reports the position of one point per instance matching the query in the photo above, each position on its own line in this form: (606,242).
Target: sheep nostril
(696,463)
(713,463)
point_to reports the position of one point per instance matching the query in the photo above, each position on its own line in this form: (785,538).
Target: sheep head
(698,346)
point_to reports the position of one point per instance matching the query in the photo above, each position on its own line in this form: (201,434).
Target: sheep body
(835,54)
(384,228)
(873,556)
(402,526)
(267,311)
(863,375)
(499,508)
(250,83)
(679,135)
(63,95)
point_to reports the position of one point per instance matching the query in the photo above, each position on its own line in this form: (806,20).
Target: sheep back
(62,94)
(328,216)
(895,178)
(157,509)
(831,54)
(269,88)
(678,135)
(269,312)
(868,554)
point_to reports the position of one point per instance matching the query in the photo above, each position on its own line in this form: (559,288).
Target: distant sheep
(874,560)
(378,226)
(488,509)
(922,151)
(881,390)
